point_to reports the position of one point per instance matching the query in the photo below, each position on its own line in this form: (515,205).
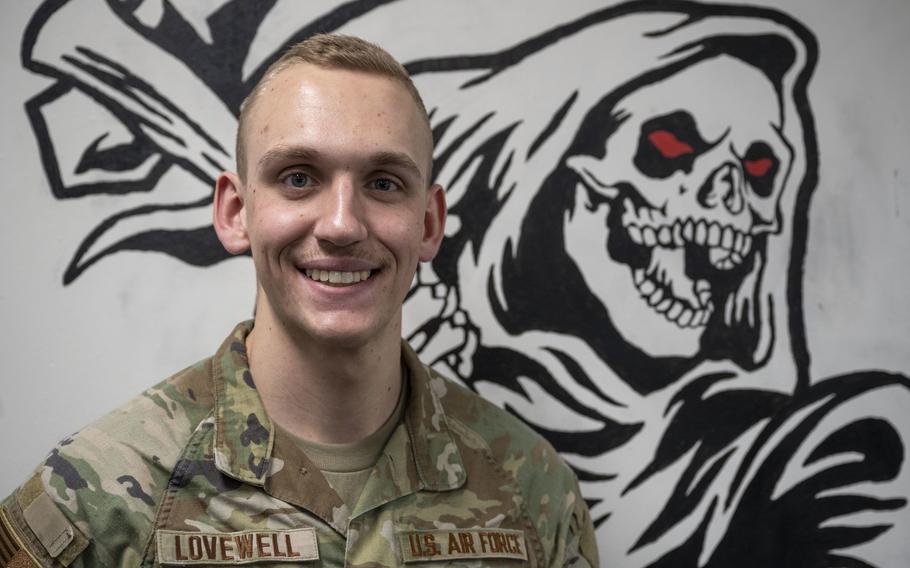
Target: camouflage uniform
(194,472)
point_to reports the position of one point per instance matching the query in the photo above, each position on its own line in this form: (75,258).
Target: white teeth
(723,259)
(703,291)
(650,238)
(726,240)
(685,318)
(705,315)
(672,235)
(701,233)
(661,298)
(713,235)
(727,248)
(647,288)
(656,297)
(678,234)
(689,230)
(716,255)
(337,276)
(628,212)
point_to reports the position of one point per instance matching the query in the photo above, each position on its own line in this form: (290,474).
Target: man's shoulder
(515,446)
(111,474)
(152,426)
(539,481)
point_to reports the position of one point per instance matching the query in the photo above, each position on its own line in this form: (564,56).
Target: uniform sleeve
(91,503)
(579,543)
(581,549)
(35,532)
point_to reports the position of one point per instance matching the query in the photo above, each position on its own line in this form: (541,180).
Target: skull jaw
(680,320)
(613,284)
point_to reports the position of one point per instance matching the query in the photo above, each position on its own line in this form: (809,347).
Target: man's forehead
(326,95)
(348,86)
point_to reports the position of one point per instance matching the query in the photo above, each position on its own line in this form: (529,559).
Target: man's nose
(341,219)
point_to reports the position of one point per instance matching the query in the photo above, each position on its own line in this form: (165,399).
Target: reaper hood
(507,123)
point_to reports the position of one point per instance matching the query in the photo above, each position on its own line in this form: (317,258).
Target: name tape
(432,545)
(241,547)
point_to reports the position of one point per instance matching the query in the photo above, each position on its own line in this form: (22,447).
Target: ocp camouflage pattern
(182,469)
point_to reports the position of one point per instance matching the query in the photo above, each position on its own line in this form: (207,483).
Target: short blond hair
(329,51)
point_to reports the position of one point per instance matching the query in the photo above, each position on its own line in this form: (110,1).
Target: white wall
(73,352)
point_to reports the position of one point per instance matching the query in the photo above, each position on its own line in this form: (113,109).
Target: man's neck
(320,391)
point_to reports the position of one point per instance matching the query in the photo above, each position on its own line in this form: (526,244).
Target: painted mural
(628,192)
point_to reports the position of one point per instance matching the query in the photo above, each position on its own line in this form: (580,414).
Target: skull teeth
(675,310)
(731,244)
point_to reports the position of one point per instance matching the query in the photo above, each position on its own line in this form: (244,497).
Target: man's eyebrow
(396,159)
(306,154)
(285,152)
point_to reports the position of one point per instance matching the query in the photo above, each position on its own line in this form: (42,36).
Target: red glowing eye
(758,168)
(668,144)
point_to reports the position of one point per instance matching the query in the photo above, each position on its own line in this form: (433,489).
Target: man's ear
(229,214)
(434,222)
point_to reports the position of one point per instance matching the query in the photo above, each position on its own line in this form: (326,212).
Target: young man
(314,435)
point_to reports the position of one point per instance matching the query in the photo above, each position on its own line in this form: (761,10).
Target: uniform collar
(244,445)
(244,435)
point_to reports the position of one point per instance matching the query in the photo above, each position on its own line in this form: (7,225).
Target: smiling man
(314,434)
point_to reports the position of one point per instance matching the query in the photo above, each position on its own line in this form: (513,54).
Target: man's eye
(385,184)
(297,179)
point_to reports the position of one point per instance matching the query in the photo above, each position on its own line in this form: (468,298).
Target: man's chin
(339,331)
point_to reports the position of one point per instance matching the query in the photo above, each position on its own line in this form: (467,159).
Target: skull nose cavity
(724,185)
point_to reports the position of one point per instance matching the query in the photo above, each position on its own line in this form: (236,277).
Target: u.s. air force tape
(430,545)
(242,547)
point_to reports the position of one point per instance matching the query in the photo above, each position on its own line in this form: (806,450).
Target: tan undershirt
(347,466)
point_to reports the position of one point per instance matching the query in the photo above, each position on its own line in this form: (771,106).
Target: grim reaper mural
(628,195)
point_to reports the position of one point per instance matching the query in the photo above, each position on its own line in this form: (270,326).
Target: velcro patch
(432,545)
(50,525)
(241,547)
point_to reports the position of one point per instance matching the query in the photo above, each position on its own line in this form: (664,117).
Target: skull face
(690,183)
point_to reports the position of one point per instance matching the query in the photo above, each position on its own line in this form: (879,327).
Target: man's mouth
(336,277)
